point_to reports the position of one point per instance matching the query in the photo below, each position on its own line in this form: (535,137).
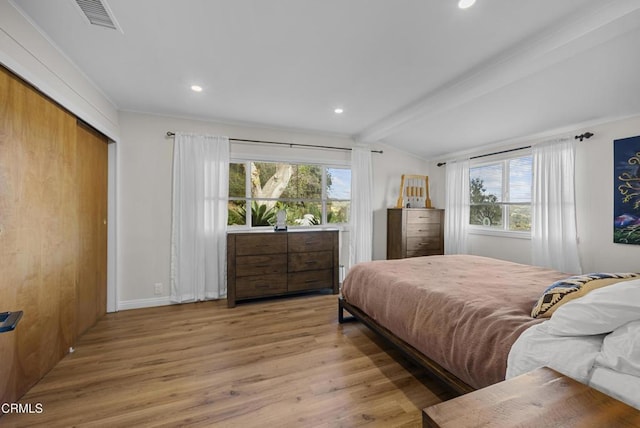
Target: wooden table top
(541,398)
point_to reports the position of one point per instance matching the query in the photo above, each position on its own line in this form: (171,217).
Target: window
(310,194)
(500,195)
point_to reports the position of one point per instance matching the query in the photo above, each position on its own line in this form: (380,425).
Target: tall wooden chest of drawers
(413,232)
(267,263)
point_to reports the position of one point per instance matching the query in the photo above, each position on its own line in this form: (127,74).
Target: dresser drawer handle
(312,281)
(262,285)
(311,262)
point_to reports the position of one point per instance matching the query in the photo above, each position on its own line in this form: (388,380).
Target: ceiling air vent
(97,12)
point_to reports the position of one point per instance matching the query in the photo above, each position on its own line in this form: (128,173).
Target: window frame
(323,164)
(503,231)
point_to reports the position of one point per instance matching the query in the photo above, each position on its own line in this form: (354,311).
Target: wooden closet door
(91,288)
(38,233)
(53,232)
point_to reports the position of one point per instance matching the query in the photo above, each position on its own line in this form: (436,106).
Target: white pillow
(621,349)
(601,311)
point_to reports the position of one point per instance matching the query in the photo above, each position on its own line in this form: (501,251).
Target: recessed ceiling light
(196,88)
(338,110)
(464,4)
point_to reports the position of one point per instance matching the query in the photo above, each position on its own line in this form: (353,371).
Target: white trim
(499,233)
(342,227)
(112,230)
(246,157)
(145,303)
(500,157)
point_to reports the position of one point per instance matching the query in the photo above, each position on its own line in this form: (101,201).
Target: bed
(460,316)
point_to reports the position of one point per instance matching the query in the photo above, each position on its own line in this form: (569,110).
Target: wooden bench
(541,398)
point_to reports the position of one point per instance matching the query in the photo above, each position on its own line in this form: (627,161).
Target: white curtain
(199,217)
(361,222)
(456,214)
(553,213)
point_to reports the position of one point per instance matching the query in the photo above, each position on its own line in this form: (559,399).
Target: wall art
(626,183)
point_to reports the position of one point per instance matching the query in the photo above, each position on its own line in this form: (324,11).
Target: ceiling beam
(583,31)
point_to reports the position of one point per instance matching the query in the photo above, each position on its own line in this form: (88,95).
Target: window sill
(499,233)
(337,226)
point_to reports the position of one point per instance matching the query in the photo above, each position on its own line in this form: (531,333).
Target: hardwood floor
(278,363)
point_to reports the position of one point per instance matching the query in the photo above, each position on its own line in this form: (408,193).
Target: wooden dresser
(413,232)
(267,263)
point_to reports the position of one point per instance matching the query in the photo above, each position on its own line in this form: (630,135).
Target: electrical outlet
(157,288)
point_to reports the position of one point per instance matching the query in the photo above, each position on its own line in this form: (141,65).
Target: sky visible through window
(340,183)
(519,179)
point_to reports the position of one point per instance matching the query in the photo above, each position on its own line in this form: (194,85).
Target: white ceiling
(420,75)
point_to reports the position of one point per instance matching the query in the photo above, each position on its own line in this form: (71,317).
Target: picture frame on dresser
(269,263)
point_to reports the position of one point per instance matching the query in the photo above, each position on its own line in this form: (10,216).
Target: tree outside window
(485,209)
(500,195)
(309,194)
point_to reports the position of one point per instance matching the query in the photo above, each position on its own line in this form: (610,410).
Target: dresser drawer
(261,285)
(423,229)
(310,241)
(261,265)
(423,216)
(310,261)
(424,252)
(311,280)
(423,243)
(260,243)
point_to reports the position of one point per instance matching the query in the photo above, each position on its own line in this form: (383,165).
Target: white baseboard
(144,303)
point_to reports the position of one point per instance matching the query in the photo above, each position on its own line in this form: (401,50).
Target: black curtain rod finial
(586,135)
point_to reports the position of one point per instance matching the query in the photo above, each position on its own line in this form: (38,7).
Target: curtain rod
(577,137)
(313,146)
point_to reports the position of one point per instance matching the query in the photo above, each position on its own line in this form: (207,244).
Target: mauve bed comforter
(463,312)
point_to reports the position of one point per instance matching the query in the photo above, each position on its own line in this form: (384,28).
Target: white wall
(387,172)
(594,205)
(144,208)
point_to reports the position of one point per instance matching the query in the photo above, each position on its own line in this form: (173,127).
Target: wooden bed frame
(409,351)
